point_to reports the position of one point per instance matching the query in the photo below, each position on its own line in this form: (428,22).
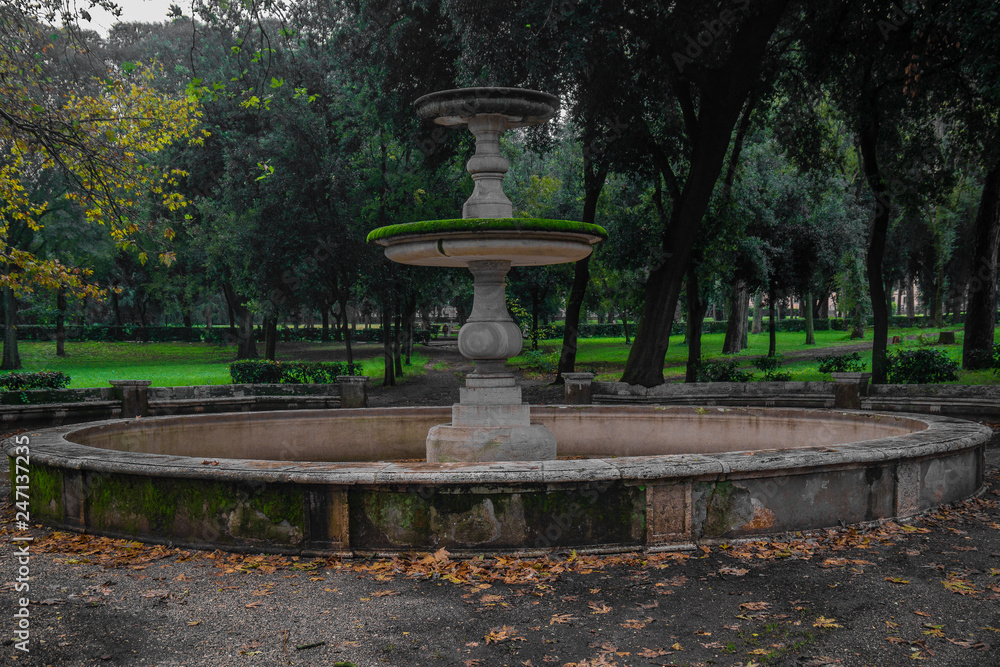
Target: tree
(64,112)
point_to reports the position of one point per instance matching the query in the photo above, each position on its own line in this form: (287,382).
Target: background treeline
(781,154)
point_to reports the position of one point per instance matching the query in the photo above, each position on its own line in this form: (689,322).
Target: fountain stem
(489,337)
(487,168)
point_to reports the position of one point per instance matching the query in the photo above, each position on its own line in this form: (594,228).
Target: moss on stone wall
(46,485)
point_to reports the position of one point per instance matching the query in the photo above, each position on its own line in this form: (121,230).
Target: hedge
(37,380)
(265,371)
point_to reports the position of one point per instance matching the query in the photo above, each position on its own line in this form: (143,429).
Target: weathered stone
(353,391)
(577,388)
(133,395)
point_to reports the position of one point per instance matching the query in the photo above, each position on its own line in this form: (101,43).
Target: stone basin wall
(143,490)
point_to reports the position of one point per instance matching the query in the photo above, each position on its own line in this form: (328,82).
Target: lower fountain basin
(636,477)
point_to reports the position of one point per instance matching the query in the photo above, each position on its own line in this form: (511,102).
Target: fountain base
(490,424)
(532,442)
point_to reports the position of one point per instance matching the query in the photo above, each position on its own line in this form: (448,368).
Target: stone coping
(940,435)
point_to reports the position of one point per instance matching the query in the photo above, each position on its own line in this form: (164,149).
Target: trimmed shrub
(841,363)
(38,380)
(722,371)
(319,372)
(265,371)
(920,366)
(255,371)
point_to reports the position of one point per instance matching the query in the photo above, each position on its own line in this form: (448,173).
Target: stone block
(447,443)
(578,388)
(353,391)
(134,395)
(490,395)
(463,414)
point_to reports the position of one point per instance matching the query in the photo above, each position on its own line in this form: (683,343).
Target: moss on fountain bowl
(466,225)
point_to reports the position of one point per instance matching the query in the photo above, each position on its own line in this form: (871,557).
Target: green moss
(486,225)
(120,502)
(281,504)
(205,501)
(46,487)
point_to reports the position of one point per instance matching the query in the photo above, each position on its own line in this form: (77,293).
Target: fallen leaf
(824,622)
(599,608)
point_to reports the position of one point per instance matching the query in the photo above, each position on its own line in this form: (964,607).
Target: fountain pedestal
(490,422)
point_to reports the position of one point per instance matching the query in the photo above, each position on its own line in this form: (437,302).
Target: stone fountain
(490,422)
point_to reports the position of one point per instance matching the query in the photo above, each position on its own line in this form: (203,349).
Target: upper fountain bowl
(519,106)
(521,241)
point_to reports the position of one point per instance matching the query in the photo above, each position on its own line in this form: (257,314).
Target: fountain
(489,423)
(349,481)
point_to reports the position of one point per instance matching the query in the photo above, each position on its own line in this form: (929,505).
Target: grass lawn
(606,356)
(92,364)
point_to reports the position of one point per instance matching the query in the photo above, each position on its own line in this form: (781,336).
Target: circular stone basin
(522,241)
(455,107)
(350,482)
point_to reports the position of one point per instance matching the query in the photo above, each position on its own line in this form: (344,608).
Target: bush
(322,372)
(255,371)
(841,363)
(722,371)
(920,366)
(265,371)
(540,362)
(769,366)
(987,358)
(39,380)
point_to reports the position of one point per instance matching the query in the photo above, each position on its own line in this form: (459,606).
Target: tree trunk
(389,377)
(347,333)
(116,309)
(810,325)
(981,312)
(624,316)
(61,322)
(736,327)
(246,347)
(11,357)
(594,177)
(772,328)
(325,335)
(710,132)
(876,251)
(758,312)
(571,328)
(696,318)
(270,337)
(397,334)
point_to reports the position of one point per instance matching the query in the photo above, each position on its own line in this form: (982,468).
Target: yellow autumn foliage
(101,137)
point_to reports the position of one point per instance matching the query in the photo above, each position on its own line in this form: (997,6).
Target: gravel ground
(924,592)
